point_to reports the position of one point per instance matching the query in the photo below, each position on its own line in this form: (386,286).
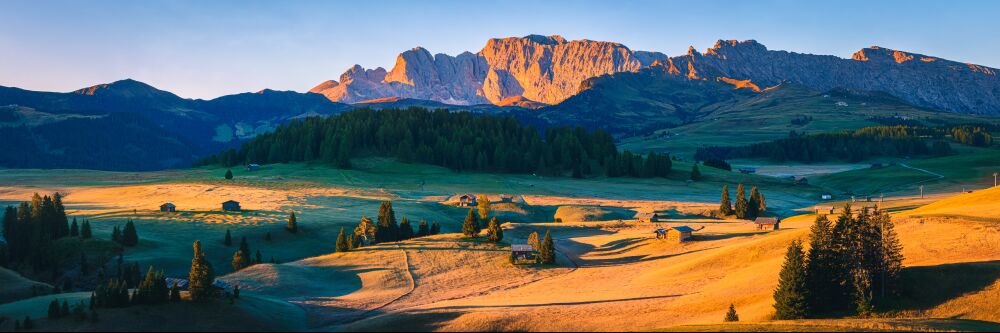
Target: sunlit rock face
(545,70)
(540,69)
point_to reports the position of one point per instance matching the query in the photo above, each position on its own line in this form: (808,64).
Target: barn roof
(645,215)
(765,220)
(230,201)
(522,248)
(168,205)
(683,228)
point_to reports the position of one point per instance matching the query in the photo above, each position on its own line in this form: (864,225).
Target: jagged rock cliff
(548,69)
(544,69)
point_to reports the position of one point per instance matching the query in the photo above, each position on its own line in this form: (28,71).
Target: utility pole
(995,179)
(921,191)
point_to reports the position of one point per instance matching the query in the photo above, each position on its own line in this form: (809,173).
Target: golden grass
(978,204)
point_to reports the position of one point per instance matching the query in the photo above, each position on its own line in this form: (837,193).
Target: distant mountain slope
(550,69)
(129,125)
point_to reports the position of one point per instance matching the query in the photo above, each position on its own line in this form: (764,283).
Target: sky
(206,49)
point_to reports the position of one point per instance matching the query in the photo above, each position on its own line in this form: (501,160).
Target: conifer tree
(201,276)
(129,236)
(228,241)
(731,315)
(892,252)
(435,228)
(791,298)
(258,258)
(175,293)
(245,247)
(293,224)
(229,174)
(116,235)
(74,229)
(85,231)
(534,241)
(763,204)
(471,226)
(725,205)
(695,173)
(387,227)
(366,231)
(422,229)
(53,312)
(753,204)
(821,267)
(547,253)
(741,203)
(484,207)
(342,245)
(494,232)
(405,229)
(240,261)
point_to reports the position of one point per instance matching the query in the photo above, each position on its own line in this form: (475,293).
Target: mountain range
(542,80)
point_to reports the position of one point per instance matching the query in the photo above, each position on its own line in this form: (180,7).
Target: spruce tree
(228,241)
(484,207)
(342,245)
(731,315)
(201,276)
(695,173)
(293,224)
(753,204)
(821,267)
(741,203)
(175,293)
(405,229)
(387,227)
(74,229)
(791,298)
(892,252)
(240,260)
(129,236)
(245,247)
(534,241)
(494,232)
(258,258)
(435,228)
(85,231)
(229,174)
(471,226)
(116,235)
(547,254)
(422,229)
(53,312)
(725,205)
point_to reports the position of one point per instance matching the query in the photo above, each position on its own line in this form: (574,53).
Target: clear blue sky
(204,49)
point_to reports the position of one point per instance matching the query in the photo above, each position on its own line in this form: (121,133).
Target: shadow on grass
(929,286)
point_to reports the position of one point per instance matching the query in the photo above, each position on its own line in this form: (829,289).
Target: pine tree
(471,226)
(245,247)
(741,203)
(422,229)
(695,173)
(792,296)
(821,267)
(892,252)
(228,241)
(74,229)
(725,205)
(405,229)
(753,204)
(258,258)
(494,232)
(175,293)
(85,231)
(387,228)
(53,312)
(116,235)
(435,228)
(484,207)
(240,261)
(763,204)
(229,174)
(201,277)
(342,245)
(293,224)
(731,315)
(267,236)
(547,253)
(129,236)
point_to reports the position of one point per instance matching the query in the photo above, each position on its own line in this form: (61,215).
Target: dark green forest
(459,141)
(857,145)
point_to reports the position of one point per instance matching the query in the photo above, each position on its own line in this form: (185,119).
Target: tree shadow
(926,287)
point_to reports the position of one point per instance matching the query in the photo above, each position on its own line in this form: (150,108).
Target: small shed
(827,196)
(522,252)
(467,200)
(679,234)
(767,223)
(231,205)
(647,217)
(168,207)
(748,171)
(253,167)
(506,198)
(824,210)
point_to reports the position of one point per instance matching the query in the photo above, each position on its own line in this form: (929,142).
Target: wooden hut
(506,198)
(253,167)
(767,223)
(522,252)
(168,207)
(647,217)
(679,234)
(467,200)
(231,205)
(824,210)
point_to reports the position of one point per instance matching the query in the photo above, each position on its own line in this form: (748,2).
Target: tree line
(744,208)
(856,145)
(30,229)
(852,267)
(457,140)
